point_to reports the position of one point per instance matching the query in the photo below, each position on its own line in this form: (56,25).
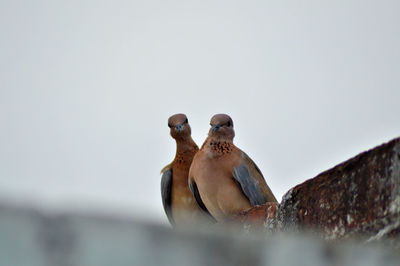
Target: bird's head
(179,126)
(221,127)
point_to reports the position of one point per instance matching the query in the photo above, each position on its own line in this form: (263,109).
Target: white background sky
(86,88)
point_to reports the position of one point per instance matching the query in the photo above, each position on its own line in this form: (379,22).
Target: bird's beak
(215,128)
(179,128)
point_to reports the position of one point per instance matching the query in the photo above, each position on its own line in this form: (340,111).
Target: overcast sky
(87,88)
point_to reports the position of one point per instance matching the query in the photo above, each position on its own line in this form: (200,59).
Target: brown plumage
(179,204)
(223,179)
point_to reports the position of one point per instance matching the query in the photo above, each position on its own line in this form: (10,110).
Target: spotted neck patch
(221,148)
(182,158)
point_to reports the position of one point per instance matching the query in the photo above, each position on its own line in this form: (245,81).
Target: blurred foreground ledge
(32,238)
(356,205)
(359,197)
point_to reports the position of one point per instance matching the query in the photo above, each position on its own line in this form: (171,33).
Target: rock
(359,197)
(261,216)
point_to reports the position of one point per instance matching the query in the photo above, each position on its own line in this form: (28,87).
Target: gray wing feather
(166,187)
(248,184)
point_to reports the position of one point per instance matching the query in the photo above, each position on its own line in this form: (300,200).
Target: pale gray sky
(87,88)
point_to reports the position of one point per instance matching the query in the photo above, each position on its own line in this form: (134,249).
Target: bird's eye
(228,124)
(169,125)
(186,121)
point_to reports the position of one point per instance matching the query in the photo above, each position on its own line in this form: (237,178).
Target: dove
(179,204)
(223,179)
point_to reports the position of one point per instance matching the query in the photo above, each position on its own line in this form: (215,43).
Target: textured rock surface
(358,197)
(31,238)
(262,216)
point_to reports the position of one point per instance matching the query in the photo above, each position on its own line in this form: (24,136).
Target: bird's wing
(196,194)
(166,187)
(252,182)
